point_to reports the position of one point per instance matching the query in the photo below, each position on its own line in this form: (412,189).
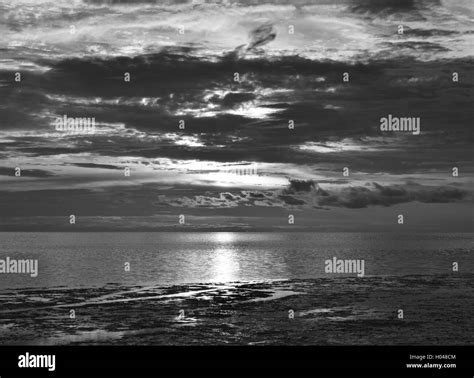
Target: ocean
(237,288)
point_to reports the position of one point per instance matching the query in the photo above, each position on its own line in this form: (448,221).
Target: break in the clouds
(235,154)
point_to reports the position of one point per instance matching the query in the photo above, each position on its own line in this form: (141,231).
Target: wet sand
(336,311)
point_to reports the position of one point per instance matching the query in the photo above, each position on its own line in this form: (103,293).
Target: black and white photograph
(196,173)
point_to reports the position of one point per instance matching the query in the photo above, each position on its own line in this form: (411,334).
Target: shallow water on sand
(437,310)
(237,288)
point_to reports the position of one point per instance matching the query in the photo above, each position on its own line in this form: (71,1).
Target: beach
(229,306)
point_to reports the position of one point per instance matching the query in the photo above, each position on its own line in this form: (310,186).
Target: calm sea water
(95,259)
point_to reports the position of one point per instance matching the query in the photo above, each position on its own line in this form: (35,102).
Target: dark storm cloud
(92,165)
(307,194)
(177,69)
(20,106)
(391,6)
(175,80)
(232,99)
(301,186)
(360,197)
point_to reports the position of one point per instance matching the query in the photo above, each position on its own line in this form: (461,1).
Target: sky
(236,165)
